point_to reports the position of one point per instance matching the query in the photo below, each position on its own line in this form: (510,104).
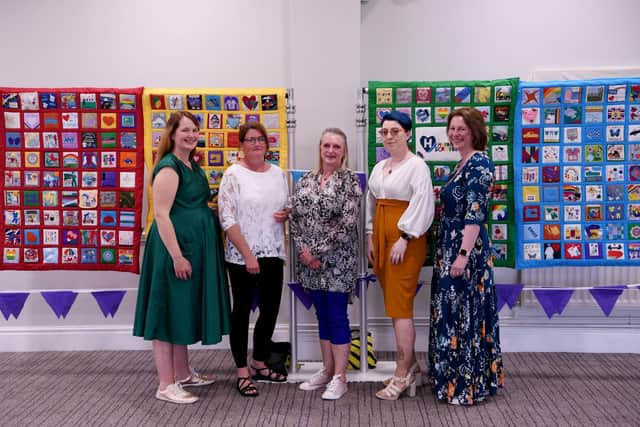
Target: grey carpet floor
(117,388)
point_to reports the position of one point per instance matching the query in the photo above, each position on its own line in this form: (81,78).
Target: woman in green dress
(182,296)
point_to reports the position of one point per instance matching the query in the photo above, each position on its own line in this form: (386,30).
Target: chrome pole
(361,125)
(293,318)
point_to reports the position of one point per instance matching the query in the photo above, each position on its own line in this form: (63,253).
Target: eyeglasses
(256,139)
(393,132)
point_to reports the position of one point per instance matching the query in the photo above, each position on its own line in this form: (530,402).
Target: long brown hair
(167,144)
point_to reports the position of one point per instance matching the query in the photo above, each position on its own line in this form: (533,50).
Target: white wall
(408,40)
(471,40)
(325,50)
(159,43)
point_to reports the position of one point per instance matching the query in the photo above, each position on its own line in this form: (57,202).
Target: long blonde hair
(345,159)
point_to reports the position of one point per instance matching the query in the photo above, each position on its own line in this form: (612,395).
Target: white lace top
(412,182)
(249,199)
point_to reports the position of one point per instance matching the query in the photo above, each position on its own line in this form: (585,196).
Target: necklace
(398,164)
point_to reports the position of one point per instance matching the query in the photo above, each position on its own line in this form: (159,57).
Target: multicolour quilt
(73,171)
(220,112)
(429,104)
(578,172)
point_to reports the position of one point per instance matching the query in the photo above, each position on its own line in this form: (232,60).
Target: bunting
(108,301)
(61,300)
(301,294)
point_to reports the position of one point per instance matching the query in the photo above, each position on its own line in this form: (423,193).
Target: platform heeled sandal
(397,386)
(415,368)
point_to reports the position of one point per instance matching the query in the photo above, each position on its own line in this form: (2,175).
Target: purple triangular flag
(109,301)
(420,283)
(553,301)
(256,300)
(508,293)
(60,301)
(12,303)
(296,174)
(362,177)
(607,296)
(299,292)
(366,279)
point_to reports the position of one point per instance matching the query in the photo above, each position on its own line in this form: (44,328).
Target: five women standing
(183,297)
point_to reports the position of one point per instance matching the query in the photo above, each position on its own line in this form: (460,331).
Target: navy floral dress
(465,361)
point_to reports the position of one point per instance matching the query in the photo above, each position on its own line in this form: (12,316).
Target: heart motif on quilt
(428,143)
(108,236)
(381,113)
(251,102)
(65,117)
(108,120)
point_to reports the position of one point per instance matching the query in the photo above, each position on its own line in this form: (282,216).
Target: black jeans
(268,284)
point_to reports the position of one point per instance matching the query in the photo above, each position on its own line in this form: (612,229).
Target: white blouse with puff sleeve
(411,182)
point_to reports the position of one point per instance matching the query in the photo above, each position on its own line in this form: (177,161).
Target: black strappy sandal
(248,389)
(271,377)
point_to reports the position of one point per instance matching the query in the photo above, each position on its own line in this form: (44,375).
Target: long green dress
(197,309)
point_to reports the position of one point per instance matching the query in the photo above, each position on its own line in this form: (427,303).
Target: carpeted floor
(117,388)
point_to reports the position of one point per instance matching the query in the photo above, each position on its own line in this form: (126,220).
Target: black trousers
(268,284)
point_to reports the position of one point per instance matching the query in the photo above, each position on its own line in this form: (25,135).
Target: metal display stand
(361,126)
(293,315)
(301,372)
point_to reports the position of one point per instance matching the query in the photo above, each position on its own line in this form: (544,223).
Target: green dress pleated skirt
(197,309)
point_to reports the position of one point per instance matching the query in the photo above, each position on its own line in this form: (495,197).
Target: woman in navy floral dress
(465,361)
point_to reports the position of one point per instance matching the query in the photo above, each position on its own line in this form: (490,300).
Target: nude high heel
(397,386)
(415,368)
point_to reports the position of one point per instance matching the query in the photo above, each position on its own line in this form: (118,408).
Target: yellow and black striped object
(354,354)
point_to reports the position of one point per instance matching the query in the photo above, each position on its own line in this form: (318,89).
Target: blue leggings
(333,320)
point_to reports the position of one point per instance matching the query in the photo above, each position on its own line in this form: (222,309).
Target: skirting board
(517,335)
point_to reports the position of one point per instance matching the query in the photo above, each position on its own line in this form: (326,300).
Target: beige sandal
(397,386)
(415,368)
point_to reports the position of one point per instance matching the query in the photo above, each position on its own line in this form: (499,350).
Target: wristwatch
(405,236)
(463,252)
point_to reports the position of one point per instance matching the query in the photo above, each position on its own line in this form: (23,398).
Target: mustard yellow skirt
(398,281)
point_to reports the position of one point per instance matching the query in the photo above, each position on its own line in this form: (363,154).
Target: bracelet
(405,236)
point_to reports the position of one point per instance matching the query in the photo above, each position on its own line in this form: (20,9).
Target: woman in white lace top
(252,204)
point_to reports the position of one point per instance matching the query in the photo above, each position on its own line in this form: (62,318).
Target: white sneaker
(174,393)
(317,380)
(336,389)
